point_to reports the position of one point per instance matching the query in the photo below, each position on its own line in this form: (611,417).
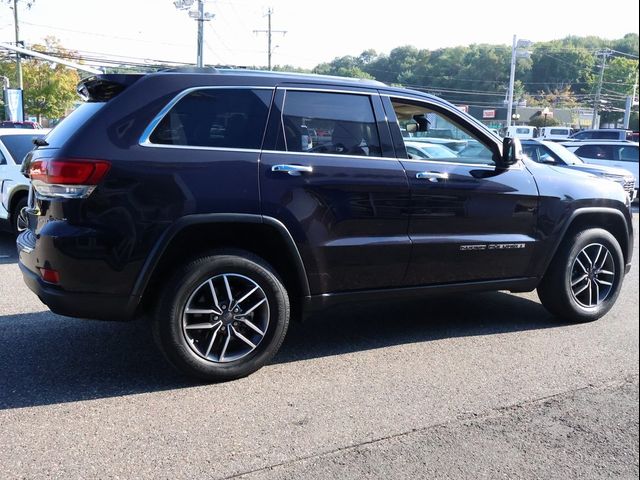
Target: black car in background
(197,198)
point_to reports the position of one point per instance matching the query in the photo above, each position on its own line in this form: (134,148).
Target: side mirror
(412,127)
(511,151)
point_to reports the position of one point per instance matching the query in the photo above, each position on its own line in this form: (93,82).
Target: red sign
(488,114)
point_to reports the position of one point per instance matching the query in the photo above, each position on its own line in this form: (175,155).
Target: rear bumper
(80,305)
(64,301)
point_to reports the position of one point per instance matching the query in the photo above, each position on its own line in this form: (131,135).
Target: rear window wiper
(40,142)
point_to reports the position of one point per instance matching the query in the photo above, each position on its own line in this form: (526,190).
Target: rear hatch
(56,178)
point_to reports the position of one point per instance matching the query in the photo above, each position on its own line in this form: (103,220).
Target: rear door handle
(432,176)
(294,170)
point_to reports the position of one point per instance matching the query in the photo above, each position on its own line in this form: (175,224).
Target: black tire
(590,298)
(15,213)
(194,352)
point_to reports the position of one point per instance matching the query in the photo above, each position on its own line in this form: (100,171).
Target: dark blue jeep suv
(202,199)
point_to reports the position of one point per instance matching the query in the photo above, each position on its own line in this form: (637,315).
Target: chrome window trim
(328,90)
(336,155)
(146,134)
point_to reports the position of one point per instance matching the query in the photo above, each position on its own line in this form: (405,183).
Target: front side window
(216,118)
(328,123)
(438,136)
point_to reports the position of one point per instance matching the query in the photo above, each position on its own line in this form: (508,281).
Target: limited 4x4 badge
(492,246)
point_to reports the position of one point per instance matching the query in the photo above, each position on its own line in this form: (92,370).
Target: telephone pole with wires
(596,102)
(269,33)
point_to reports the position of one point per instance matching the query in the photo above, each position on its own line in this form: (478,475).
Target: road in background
(458,387)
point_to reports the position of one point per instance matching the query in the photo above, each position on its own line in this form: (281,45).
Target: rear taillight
(67,178)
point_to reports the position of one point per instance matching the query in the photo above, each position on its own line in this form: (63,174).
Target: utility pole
(269,33)
(596,102)
(630,101)
(18,60)
(511,82)
(515,54)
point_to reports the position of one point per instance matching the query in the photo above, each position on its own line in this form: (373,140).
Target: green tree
(49,88)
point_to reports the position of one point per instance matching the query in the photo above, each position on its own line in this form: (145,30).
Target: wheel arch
(262,236)
(610,219)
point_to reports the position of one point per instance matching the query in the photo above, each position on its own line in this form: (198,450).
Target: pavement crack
(461,418)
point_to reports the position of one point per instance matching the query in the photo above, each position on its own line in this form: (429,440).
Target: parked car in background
(520,131)
(551,153)
(621,154)
(556,134)
(603,134)
(417,150)
(15,143)
(10,124)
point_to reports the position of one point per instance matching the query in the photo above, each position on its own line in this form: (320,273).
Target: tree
(49,88)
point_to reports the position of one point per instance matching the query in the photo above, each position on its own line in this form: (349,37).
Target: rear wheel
(584,280)
(16,225)
(222,316)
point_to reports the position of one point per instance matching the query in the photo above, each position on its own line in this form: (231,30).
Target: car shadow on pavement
(48,359)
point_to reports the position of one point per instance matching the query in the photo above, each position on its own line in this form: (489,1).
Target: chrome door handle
(432,176)
(294,170)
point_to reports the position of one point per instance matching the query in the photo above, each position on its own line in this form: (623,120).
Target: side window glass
(606,135)
(628,154)
(438,136)
(329,123)
(3,161)
(222,118)
(592,151)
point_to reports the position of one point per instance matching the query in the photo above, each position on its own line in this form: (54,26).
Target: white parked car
(555,134)
(617,153)
(15,143)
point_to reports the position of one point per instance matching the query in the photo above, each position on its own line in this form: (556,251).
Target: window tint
(331,123)
(606,135)
(441,137)
(558,131)
(600,152)
(222,118)
(628,154)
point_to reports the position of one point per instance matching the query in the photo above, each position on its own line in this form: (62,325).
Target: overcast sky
(317,30)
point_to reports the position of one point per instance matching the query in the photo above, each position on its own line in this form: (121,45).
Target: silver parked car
(15,143)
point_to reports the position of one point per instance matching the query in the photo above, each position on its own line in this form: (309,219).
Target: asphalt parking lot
(480,386)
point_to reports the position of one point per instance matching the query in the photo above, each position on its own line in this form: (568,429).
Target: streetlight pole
(200,20)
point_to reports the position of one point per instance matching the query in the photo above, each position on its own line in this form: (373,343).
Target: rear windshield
(19,145)
(67,127)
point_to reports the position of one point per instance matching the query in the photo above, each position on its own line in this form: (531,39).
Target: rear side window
(582,135)
(599,152)
(217,118)
(558,131)
(342,124)
(628,153)
(606,135)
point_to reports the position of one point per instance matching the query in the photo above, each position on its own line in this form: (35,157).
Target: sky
(316,31)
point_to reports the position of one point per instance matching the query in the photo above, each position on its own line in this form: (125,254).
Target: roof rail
(189,69)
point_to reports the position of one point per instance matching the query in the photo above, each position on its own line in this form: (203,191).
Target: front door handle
(294,170)
(432,176)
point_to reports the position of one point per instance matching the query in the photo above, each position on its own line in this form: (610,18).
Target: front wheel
(222,316)
(585,277)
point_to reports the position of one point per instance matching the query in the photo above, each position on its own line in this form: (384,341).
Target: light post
(545,112)
(200,16)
